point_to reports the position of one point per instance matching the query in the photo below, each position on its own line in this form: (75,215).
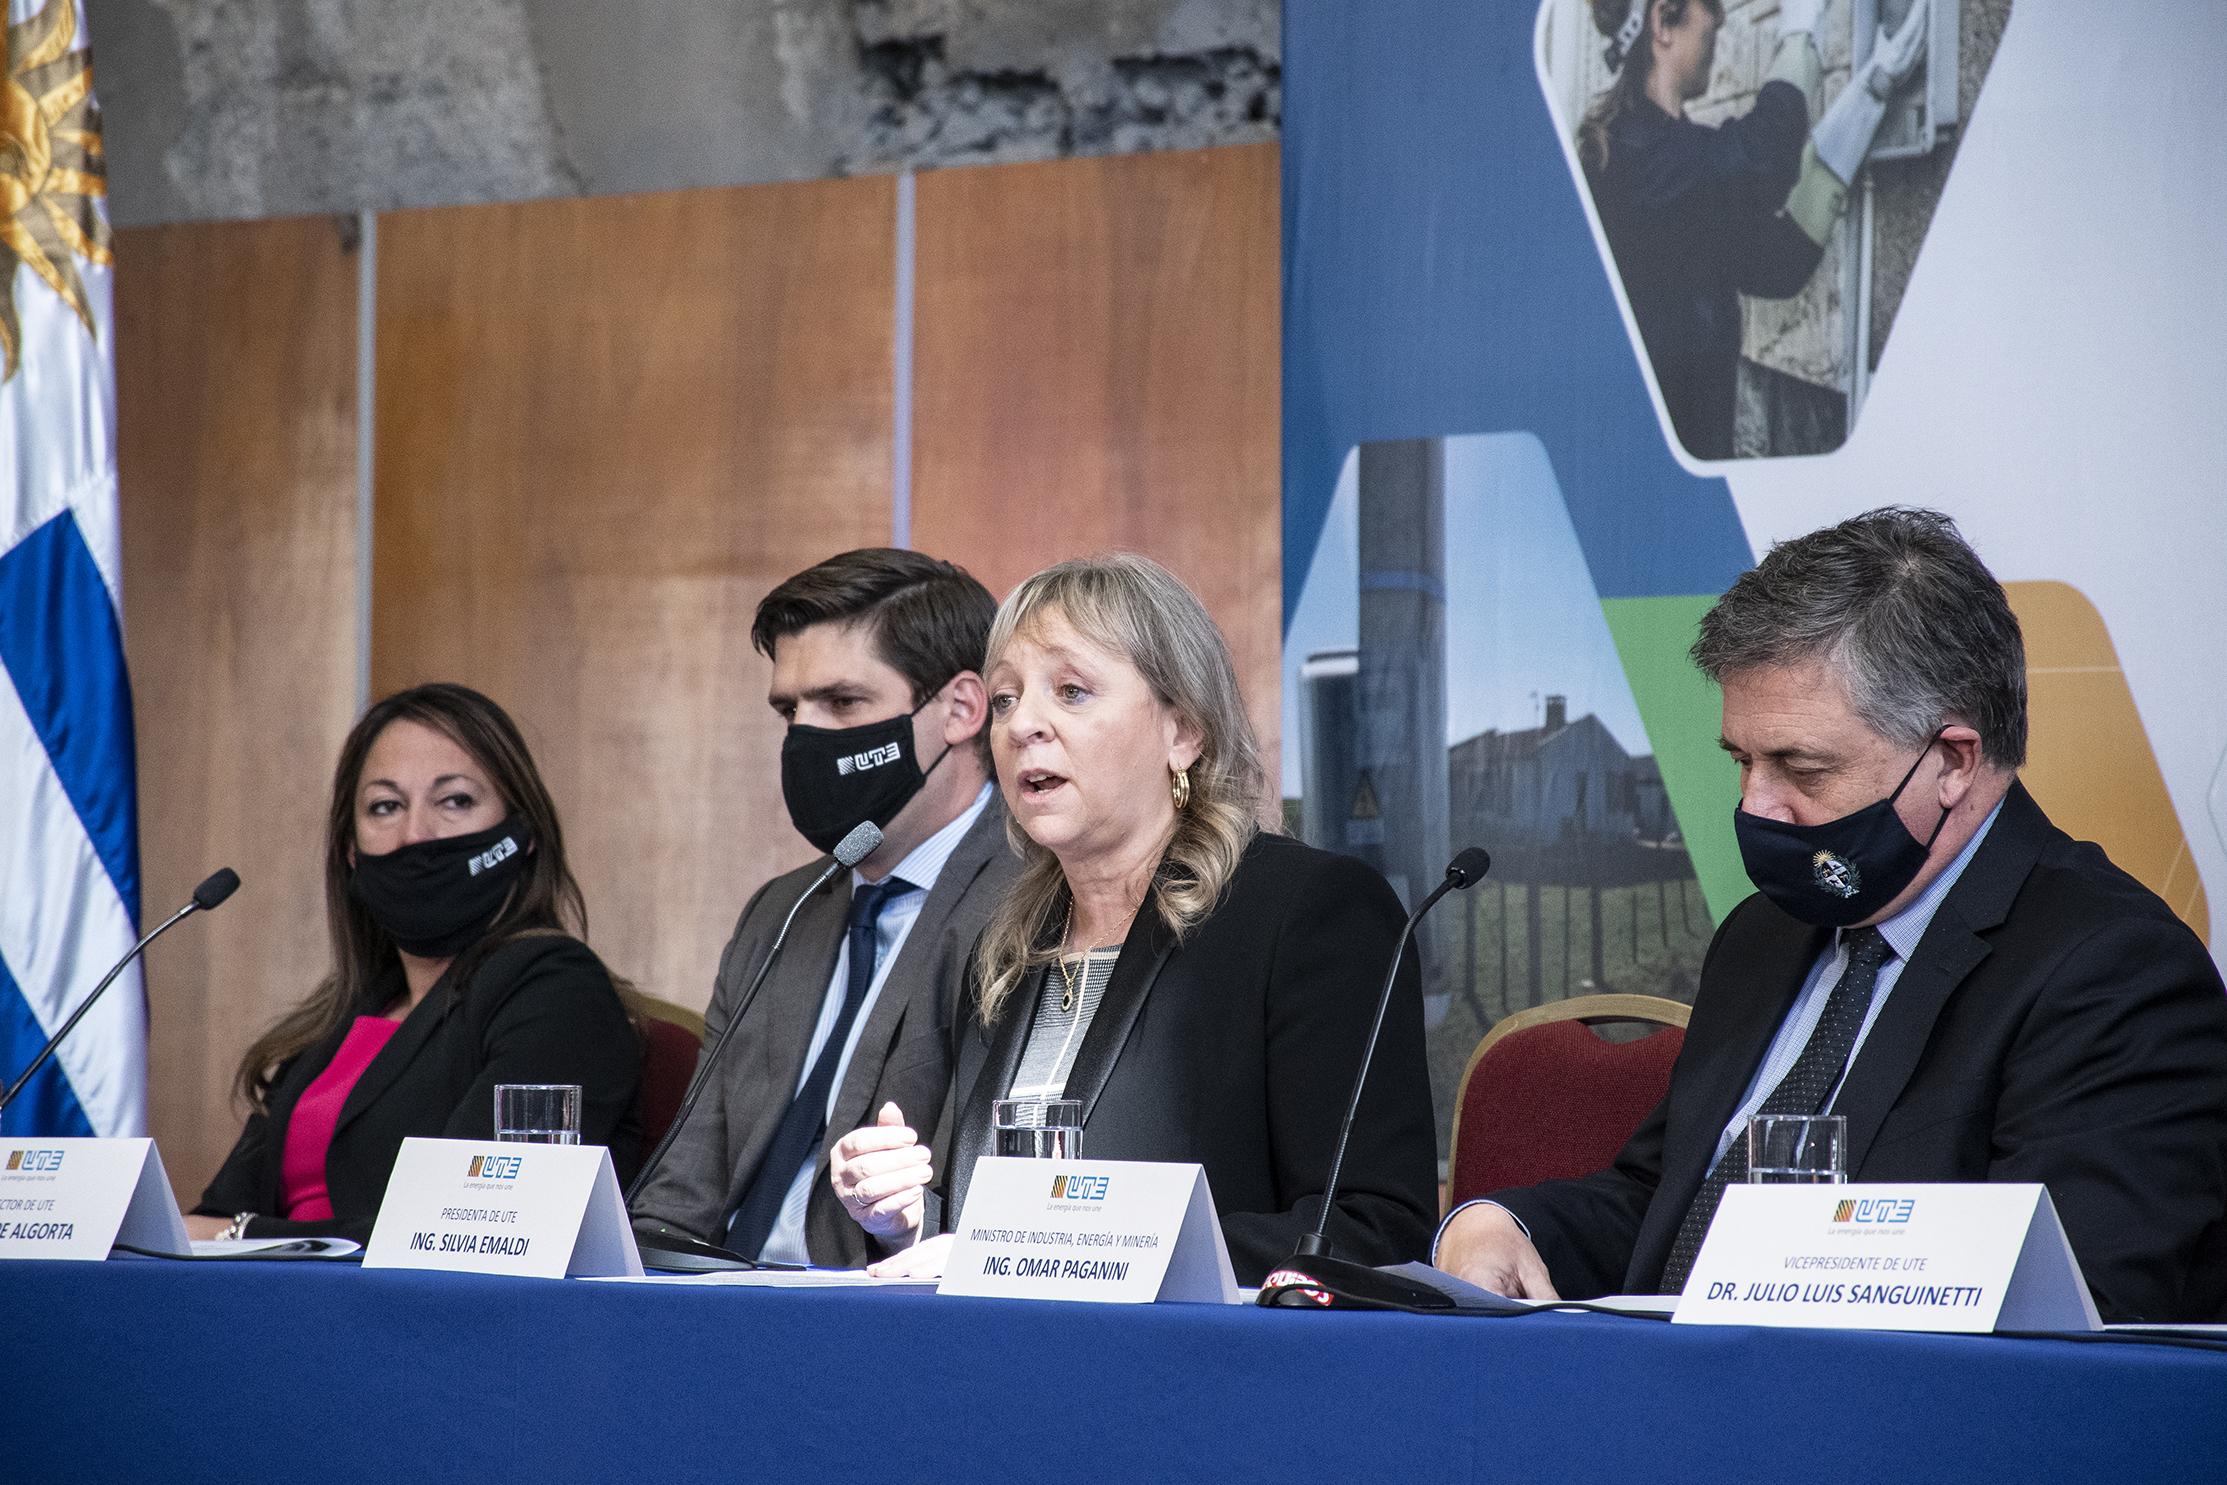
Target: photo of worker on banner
(1761,174)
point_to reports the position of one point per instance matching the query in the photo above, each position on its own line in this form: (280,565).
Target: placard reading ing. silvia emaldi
(542,1211)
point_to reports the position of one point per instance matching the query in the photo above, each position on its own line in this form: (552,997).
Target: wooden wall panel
(605,429)
(235,370)
(1096,367)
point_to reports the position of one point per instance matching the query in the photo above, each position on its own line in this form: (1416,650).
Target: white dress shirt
(921,866)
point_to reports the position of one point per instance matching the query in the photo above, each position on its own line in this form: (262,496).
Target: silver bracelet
(237,1229)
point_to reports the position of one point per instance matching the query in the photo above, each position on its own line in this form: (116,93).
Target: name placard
(78,1198)
(541,1211)
(1113,1231)
(1877,1257)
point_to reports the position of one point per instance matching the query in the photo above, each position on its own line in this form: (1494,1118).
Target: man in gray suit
(877,658)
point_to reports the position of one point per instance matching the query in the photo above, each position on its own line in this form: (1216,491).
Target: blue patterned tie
(804,1126)
(1803,1090)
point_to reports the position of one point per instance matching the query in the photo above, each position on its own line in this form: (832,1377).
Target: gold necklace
(1066,975)
(1070,978)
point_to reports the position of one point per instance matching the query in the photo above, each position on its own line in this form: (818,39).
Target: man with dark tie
(877,659)
(1982,997)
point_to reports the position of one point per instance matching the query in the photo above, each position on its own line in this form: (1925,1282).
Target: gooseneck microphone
(672,1248)
(206,898)
(1313,1256)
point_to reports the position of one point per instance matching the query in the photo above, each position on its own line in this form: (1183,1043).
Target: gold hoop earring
(1179,787)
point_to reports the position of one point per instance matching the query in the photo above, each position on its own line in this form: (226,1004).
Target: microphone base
(674,1251)
(1318,1281)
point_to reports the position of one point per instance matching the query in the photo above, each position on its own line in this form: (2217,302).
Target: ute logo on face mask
(834,777)
(872,758)
(1836,874)
(494,856)
(436,897)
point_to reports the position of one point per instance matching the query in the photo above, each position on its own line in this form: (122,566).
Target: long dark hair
(546,899)
(1630,88)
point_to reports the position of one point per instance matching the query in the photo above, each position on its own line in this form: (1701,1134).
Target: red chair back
(1545,1098)
(669,1051)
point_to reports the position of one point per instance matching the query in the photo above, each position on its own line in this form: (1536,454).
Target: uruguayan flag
(69,853)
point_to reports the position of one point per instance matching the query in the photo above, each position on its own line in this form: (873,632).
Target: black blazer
(2056,1024)
(1237,1050)
(540,1009)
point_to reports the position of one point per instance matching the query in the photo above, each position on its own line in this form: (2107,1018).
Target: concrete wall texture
(249,108)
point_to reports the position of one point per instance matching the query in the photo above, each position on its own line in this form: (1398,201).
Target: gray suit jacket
(903,1054)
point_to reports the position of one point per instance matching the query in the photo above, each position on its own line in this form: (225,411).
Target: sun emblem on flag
(51,167)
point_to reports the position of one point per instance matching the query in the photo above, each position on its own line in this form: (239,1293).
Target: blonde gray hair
(1137,609)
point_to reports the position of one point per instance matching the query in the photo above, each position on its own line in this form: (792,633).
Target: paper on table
(777,1278)
(1637,1304)
(287,1247)
(1467,1296)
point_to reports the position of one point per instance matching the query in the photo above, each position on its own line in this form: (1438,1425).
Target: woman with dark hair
(1698,216)
(458,964)
(1201,987)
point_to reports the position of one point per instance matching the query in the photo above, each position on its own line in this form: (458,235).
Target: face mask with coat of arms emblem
(1841,872)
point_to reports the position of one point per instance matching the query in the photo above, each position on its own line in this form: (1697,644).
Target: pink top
(309,1134)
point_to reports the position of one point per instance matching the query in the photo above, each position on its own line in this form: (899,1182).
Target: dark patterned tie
(1803,1090)
(805,1124)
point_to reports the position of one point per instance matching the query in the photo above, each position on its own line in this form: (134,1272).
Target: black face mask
(437,897)
(1840,872)
(832,778)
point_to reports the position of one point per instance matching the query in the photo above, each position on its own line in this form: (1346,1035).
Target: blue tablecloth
(244,1373)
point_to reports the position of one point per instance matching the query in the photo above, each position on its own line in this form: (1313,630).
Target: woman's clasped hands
(881,1175)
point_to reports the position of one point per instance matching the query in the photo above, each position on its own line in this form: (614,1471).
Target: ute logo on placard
(1080,1188)
(1876,1211)
(35,1159)
(493,1168)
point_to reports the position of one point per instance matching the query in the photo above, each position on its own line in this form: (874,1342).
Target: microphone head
(859,844)
(221,884)
(1469,867)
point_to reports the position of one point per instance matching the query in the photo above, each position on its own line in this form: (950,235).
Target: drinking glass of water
(537,1113)
(1039,1128)
(1797,1149)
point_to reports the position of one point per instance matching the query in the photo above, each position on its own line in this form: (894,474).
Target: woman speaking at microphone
(1204,989)
(455,967)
